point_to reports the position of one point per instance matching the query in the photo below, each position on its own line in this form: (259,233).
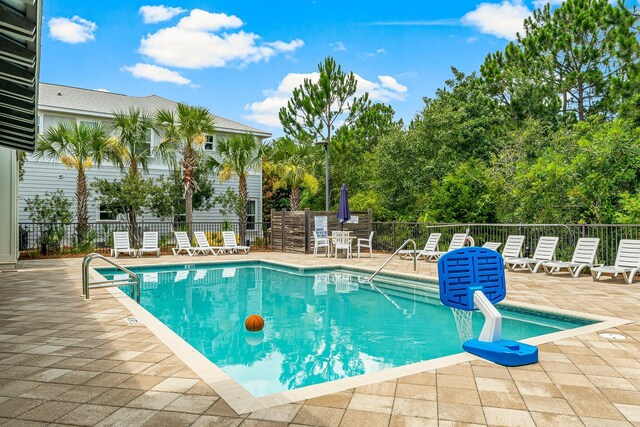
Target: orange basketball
(254,323)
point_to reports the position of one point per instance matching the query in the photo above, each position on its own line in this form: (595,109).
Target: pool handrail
(133,281)
(415,256)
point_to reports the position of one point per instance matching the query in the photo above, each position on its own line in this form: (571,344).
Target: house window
(148,144)
(251,215)
(106,215)
(49,120)
(208,142)
(90,123)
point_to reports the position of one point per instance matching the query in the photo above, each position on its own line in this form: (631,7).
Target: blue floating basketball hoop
(473,278)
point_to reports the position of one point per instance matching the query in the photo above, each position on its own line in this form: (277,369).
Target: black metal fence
(37,239)
(390,235)
(62,238)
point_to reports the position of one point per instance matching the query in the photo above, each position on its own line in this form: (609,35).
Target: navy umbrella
(344,214)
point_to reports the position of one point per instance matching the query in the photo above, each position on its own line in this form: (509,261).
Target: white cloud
(156,74)
(73,31)
(502,20)
(381,51)
(195,43)
(155,14)
(541,3)
(338,47)
(266,111)
(201,20)
(392,84)
(102,90)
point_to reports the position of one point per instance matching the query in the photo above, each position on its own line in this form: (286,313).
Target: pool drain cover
(132,321)
(611,336)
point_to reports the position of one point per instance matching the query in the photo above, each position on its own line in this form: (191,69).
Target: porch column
(8,208)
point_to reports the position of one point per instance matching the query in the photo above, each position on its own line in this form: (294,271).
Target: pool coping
(242,401)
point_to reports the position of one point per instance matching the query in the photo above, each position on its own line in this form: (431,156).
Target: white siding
(41,176)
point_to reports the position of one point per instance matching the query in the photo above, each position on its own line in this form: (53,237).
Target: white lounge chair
(184,244)
(494,246)
(366,243)
(627,262)
(319,243)
(513,247)
(457,242)
(430,247)
(585,255)
(341,242)
(545,251)
(149,243)
(230,244)
(121,244)
(203,243)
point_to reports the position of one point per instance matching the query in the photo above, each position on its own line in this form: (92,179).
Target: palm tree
(294,163)
(237,156)
(78,146)
(133,130)
(184,130)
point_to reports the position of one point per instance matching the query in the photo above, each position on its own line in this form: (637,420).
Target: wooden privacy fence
(292,231)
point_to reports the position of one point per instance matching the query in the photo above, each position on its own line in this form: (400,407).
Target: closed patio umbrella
(344,214)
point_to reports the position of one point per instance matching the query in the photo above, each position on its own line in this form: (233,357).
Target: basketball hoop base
(503,352)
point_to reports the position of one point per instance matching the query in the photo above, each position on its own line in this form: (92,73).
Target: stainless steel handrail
(133,281)
(415,258)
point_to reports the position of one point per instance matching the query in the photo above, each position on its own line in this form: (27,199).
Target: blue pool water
(320,325)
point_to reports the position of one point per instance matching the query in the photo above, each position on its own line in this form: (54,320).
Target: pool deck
(68,361)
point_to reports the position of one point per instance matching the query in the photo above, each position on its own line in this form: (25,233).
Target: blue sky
(241,59)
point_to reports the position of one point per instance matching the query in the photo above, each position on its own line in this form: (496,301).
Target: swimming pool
(321,324)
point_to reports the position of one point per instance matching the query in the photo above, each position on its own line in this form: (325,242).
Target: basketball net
(464,323)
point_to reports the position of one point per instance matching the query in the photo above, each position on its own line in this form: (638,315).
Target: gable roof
(73,99)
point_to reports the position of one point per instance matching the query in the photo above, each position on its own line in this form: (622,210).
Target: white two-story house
(70,104)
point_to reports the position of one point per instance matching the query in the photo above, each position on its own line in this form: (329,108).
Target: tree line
(546,130)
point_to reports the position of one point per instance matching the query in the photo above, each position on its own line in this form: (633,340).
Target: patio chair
(513,247)
(366,243)
(585,255)
(494,246)
(203,243)
(319,243)
(320,284)
(430,247)
(627,262)
(149,243)
(121,244)
(545,251)
(230,244)
(184,244)
(341,242)
(457,242)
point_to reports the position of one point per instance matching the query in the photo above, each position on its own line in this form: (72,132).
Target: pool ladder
(133,281)
(415,258)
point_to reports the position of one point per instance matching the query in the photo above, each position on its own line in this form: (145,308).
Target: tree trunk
(294,198)
(580,101)
(187,180)
(133,226)
(242,214)
(328,177)
(82,197)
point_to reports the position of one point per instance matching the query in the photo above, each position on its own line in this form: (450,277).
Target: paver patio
(65,360)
